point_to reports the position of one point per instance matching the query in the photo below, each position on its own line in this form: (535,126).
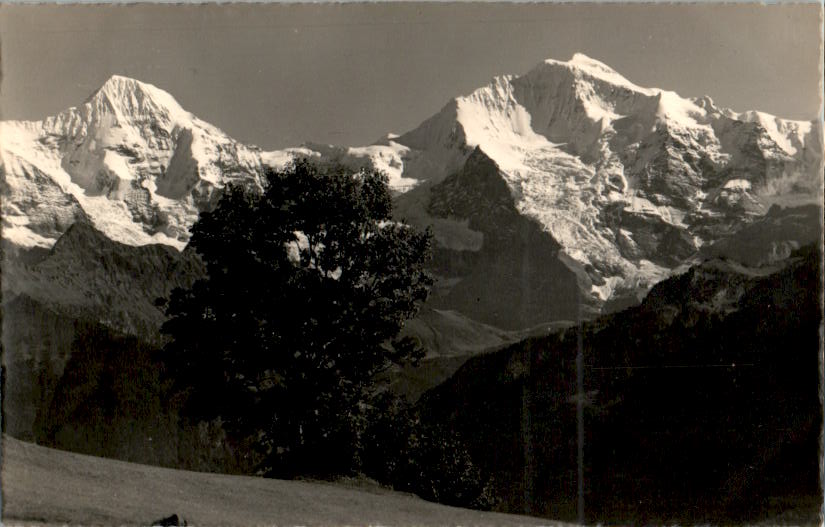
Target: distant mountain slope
(772,237)
(108,492)
(701,405)
(86,275)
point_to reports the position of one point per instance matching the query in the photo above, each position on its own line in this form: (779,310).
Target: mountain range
(553,195)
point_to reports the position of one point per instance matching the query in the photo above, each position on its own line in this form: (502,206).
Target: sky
(347,74)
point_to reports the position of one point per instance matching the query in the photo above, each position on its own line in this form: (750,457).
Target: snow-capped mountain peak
(129,159)
(628,180)
(121,102)
(133,98)
(589,68)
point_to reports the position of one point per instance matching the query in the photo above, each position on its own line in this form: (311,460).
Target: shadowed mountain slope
(700,405)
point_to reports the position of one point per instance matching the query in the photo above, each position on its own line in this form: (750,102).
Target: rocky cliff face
(518,277)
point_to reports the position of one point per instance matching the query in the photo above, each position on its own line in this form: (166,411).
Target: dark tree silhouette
(309,283)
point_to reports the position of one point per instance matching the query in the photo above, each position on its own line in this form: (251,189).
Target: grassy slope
(42,485)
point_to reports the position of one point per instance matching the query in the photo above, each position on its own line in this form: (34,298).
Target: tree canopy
(309,282)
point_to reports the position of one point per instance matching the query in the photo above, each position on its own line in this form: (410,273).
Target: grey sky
(279,75)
